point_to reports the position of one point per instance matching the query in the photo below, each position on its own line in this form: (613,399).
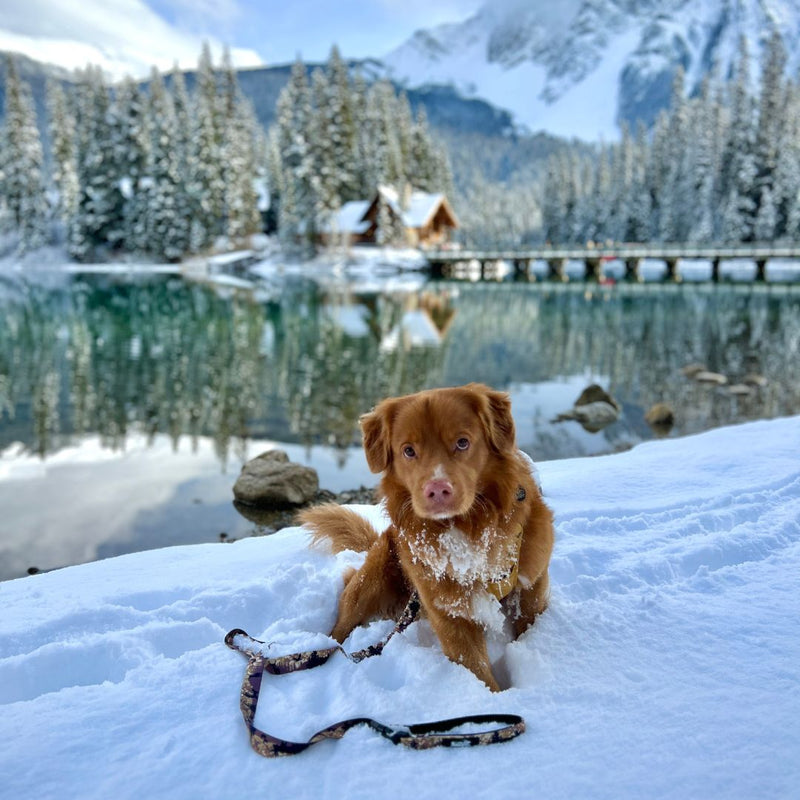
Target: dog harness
(418,737)
(507,582)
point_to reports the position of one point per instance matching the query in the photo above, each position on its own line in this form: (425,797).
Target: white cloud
(129,36)
(121,36)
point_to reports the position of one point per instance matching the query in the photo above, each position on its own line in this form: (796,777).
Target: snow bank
(666,666)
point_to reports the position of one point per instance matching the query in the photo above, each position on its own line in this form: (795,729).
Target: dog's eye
(409,451)
(462,444)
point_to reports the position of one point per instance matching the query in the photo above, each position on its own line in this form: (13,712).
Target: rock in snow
(272,481)
(660,417)
(665,667)
(595,409)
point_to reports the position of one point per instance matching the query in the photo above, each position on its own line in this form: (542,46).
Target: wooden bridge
(448,263)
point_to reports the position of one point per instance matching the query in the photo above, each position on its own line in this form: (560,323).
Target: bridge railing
(445,261)
(621,251)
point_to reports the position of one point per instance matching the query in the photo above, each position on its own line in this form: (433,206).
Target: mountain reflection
(169,357)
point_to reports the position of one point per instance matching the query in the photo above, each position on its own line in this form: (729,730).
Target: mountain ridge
(575,69)
(582,67)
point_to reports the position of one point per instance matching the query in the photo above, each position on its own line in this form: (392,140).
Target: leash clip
(396,734)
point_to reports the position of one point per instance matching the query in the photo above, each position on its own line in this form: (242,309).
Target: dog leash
(418,737)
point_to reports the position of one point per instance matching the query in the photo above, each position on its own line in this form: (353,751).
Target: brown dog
(469,529)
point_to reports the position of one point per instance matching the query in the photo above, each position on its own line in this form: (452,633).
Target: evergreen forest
(723,166)
(159,171)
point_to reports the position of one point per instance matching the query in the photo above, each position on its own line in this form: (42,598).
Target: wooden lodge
(413,218)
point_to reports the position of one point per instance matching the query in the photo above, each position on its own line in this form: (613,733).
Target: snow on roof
(351,215)
(351,319)
(421,205)
(350,218)
(390,195)
(415,329)
(421,208)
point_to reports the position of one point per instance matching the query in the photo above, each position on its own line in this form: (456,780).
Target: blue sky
(129,36)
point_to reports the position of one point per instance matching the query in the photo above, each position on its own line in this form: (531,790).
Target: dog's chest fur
(454,554)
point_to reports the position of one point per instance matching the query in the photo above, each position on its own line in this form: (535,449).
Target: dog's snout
(438,491)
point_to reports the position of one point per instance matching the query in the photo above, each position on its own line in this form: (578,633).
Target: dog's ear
(495,412)
(375,428)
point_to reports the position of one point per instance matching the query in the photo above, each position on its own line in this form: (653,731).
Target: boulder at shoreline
(271,481)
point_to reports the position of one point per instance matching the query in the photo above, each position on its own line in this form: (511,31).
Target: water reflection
(130,366)
(167,357)
(337,354)
(174,358)
(633,341)
(87,501)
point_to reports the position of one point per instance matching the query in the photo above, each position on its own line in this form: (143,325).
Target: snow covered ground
(666,666)
(369,266)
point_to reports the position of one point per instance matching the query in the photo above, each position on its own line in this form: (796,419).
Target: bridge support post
(444,264)
(673,269)
(437,269)
(593,269)
(557,267)
(633,271)
(522,270)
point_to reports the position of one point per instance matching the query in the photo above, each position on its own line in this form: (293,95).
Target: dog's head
(439,445)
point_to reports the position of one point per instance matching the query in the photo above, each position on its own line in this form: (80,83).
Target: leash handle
(418,737)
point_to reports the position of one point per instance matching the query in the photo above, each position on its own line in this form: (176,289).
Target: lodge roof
(415,209)
(350,218)
(420,206)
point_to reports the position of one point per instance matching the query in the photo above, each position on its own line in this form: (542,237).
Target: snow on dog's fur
(463,507)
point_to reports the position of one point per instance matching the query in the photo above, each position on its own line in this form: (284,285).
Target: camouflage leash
(418,737)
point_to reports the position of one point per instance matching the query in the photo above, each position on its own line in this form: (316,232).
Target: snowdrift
(666,666)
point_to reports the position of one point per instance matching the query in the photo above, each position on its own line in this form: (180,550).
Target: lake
(128,404)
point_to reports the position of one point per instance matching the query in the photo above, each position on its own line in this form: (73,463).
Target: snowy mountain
(579,67)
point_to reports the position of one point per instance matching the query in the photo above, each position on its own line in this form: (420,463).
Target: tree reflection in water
(167,357)
(634,340)
(176,358)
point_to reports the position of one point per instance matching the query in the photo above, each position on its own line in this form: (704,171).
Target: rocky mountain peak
(580,67)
